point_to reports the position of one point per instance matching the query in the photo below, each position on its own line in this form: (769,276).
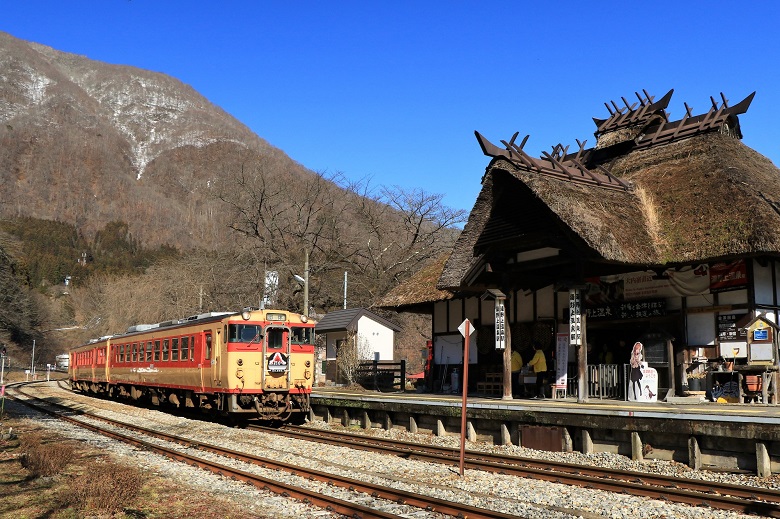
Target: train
(61,362)
(256,363)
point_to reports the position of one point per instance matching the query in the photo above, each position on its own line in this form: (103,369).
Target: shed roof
(650,193)
(347,320)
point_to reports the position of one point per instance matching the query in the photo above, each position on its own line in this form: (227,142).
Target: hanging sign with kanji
(575,318)
(500,325)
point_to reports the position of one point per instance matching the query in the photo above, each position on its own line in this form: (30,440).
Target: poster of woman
(643,380)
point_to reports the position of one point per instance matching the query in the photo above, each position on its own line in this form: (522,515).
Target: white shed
(375,335)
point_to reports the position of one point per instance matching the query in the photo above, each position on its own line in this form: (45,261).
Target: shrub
(105,488)
(43,459)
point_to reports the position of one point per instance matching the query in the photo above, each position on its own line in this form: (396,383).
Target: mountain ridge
(82,136)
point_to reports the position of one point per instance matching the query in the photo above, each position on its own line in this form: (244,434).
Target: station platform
(689,430)
(676,408)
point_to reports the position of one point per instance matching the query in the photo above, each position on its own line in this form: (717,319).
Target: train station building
(664,233)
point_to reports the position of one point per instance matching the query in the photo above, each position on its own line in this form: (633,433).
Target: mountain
(88,143)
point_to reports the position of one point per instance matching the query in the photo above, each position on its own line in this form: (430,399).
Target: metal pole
(306,285)
(345,290)
(465,383)
(32,362)
(2,369)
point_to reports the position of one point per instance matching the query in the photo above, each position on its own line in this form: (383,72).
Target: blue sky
(393,91)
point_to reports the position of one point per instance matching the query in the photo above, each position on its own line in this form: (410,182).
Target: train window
(208,346)
(175,348)
(165,349)
(157,350)
(275,338)
(302,335)
(244,333)
(149,351)
(185,346)
(135,352)
(121,353)
(192,347)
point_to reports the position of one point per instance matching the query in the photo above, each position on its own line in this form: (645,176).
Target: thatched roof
(420,289)
(632,203)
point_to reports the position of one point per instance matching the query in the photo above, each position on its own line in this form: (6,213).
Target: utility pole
(306,285)
(32,362)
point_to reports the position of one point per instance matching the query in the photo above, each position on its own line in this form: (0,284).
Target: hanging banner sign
(561,360)
(575,318)
(500,325)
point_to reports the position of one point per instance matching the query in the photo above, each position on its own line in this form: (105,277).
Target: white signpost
(466,330)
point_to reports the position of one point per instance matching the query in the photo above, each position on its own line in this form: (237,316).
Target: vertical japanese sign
(500,325)
(561,360)
(575,318)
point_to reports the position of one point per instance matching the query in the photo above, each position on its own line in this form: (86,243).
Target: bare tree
(401,231)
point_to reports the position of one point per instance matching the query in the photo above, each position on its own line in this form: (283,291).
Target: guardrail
(382,375)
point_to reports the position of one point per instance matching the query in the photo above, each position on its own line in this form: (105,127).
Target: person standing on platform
(517,366)
(539,363)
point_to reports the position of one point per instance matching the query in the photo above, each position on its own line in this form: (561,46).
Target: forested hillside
(158,204)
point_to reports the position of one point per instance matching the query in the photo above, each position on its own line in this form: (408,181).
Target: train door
(277,358)
(212,357)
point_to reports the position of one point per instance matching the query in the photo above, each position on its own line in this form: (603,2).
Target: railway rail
(393,498)
(715,495)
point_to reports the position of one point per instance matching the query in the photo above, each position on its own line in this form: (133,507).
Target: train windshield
(244,333)
(300,335)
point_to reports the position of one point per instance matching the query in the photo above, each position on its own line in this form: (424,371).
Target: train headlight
(239,373)
(304,318)
(246,315)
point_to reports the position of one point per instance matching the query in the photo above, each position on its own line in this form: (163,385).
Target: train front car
(269,365)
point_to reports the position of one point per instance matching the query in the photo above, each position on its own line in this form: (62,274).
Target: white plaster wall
(762,284)
(545,303)
(378,337)
(456,314)
(701,329)
(440,317)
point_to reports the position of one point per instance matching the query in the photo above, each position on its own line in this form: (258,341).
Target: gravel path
(519,496)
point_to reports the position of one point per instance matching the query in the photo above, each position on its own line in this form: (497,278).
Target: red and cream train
(255,363)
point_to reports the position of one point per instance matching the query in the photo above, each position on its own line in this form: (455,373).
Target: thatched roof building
(419,292)
(651,194)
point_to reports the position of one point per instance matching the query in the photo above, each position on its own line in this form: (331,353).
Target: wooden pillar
(672,381)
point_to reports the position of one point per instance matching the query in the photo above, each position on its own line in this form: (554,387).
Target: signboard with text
(575,318)
(500,325)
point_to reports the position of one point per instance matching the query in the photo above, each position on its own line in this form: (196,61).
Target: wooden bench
(492,384)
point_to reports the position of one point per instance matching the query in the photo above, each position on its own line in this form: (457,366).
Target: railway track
(708,494)
(384,499)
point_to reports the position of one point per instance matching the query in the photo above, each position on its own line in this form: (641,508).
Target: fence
(606,381)
(385,375)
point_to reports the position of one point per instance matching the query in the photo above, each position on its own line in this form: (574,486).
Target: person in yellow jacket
(517,366)
(539,363)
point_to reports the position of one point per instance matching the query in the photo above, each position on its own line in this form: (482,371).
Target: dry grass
(42,475)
